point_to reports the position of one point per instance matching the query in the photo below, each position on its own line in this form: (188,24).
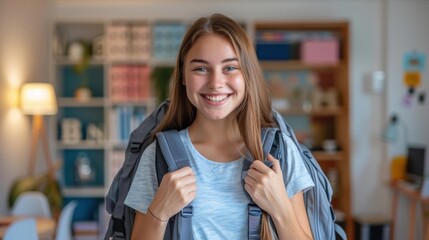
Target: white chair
(22,229)
(64,231)
(31,204)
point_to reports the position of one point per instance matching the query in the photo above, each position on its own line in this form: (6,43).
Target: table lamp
(38,99)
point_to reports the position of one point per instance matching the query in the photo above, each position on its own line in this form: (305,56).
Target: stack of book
(129,83)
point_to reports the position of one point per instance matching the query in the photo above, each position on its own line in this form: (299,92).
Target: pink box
(320,51)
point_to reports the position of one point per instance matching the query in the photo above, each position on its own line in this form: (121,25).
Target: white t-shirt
(220,207)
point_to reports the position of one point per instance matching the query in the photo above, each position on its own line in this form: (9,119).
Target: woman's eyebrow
(230,60)
(198,60)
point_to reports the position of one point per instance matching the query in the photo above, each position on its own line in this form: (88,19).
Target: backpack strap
(267,138)
(270,145)
(172,149)
(322,224)
(139,140)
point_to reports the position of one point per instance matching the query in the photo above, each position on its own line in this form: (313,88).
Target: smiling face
(213,78)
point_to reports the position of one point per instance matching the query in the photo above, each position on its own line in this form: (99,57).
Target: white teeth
(217,98)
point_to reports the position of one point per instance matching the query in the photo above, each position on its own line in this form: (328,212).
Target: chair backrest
(31,203)
(64,231)
(22,229)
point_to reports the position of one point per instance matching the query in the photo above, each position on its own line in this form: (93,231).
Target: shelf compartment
(129,82)
(85,33)
(70,171)
(298,65)
(83,118)
(70,80)
(124,119)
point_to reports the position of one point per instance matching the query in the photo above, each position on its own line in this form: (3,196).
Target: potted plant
(160,77)
(79,53)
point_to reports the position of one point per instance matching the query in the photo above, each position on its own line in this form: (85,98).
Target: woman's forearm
(148,227)
(291,220)
(288,227)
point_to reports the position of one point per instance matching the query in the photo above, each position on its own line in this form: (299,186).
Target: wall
(407,31)
(23,58)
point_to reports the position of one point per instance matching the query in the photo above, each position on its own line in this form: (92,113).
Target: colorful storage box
(320,51)
(275,51)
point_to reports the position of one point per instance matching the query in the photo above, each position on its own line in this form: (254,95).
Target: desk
(415,197)
(45,226)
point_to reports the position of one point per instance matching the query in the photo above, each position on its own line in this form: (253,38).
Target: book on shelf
(130,83)
(124,120)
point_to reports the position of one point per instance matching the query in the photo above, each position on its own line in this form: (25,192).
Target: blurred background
(342,71)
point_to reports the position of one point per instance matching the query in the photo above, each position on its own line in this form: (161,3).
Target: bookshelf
(102,76)
(307,65)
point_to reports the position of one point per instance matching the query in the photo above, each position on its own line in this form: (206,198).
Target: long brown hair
(255,110)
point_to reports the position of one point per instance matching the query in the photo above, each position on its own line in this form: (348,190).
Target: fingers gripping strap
(173,150)
(176,157)
(268,136)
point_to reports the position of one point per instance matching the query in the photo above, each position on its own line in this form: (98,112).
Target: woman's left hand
(265,185)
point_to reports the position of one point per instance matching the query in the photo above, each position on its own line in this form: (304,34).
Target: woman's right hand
(177,189)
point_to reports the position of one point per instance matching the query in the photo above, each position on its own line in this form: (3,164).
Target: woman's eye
(201,69)
(230,68)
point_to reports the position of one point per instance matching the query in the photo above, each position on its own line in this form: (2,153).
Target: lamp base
(39,132)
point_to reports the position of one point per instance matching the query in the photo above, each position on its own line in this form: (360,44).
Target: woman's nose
(216,80)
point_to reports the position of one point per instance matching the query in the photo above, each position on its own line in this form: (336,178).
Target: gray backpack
(170,156)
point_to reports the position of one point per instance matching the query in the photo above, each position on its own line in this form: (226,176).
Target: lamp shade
(38,99)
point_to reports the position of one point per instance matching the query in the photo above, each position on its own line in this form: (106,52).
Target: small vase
(83,94)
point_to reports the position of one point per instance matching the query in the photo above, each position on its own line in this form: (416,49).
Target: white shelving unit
(103,109)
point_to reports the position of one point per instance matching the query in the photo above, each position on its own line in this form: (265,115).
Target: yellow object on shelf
(397,167)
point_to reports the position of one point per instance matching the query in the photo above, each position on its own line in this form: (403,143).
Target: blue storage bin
(274,51)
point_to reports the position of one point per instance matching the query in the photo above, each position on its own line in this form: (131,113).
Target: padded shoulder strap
(121,222)
(174,153)
(270,145)
(268,136)
(139,140)
(173,150)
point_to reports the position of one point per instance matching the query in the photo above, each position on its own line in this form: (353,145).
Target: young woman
(220,102)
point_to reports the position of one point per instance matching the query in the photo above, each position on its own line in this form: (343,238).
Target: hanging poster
(413,64)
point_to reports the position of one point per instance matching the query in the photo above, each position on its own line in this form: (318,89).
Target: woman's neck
(215,132)
(218,141)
